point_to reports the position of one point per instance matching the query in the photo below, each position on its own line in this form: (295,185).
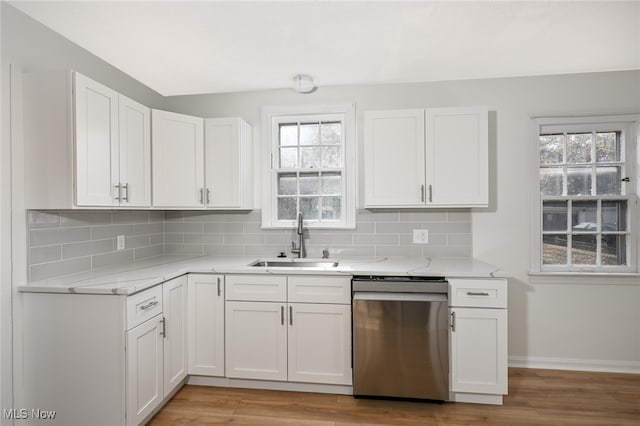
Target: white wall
(588,326)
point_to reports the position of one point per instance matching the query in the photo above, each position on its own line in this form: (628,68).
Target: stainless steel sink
(294,263)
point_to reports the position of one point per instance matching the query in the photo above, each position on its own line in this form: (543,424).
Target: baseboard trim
(575,364)
(270,385)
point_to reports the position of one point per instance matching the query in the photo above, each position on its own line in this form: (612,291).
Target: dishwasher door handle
(400,297)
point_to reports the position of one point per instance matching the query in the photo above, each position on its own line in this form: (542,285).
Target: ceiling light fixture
(303,83)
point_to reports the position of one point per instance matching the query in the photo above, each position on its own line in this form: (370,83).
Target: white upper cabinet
(394,157)
(98,144)
(96,132)
(426,158)
(228,163)
(135,153)
(178,162)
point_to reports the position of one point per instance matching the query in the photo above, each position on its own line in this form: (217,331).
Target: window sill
(588,278)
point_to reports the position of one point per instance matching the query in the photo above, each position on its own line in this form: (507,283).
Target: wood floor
(536,397)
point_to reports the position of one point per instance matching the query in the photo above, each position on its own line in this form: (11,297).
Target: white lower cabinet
(145,353)
(289,339)
(206,324)
(478,340)
(174,299)
(256,340)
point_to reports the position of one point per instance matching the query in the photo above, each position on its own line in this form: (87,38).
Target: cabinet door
(144,370)
(394,158)
(96,147)
(174,304)
(457,156)
(320,343)
(206,325)
(479,350)
(177,158)
(228,163)
(256,340)
(135,153)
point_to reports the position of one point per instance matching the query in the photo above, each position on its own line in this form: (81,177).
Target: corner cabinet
(200,163)
(426,158)
(98,150)
(478,309)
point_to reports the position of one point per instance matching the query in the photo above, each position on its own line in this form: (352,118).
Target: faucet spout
(300,250)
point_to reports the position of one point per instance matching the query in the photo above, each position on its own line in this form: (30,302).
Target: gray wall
(548,324)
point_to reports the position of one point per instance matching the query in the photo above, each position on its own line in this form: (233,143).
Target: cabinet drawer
(319,290)
(489,293)
(256,288)
(143,306)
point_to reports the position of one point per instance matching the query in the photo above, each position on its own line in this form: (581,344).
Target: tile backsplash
(66,242)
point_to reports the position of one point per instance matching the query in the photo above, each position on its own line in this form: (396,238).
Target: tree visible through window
(585,204)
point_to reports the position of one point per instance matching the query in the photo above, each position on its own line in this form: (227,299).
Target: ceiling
(183,47)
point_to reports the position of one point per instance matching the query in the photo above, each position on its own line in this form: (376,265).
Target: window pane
(551,181)
(583,250)
(551,147)
(331,157)
(309,134)
(288,158)
(579,181)
(554,216)
(608,180)
(288,134)
(614,250)
(614,216)
(607,147)
(331,208)
(331,133)
(287,184)
(331,183)
(309,206)
(309,184)
(554,249)
(584,216)
(310,158)
(287,208)
(579,148)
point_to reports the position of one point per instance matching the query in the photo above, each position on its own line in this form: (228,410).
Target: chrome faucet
(300,250)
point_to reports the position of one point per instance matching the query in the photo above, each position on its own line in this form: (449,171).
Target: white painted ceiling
(183,47)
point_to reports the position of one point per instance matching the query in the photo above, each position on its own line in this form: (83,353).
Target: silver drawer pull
(149,305)
(477,293)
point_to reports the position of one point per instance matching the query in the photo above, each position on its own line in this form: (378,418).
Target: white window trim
(269,220)
(544,275)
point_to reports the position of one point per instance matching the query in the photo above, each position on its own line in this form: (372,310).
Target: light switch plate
(420,236)
(120,242)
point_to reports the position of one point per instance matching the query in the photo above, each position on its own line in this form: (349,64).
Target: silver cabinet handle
(281,315)
(453,321)
(290,315)
(477,293)
(164,327)
(422,193)
(201,195)
(430,193)
(218,286)
(125,188)
(149,305)
(119,188)
(208,196)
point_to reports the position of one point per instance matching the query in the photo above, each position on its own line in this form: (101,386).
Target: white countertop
(130,279)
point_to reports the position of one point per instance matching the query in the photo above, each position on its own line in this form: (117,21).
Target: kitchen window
(585,199)
(310,167)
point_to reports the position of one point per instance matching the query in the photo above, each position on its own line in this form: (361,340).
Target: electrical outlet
(120,242)
(420,236)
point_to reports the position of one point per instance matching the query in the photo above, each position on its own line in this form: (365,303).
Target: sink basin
(295,263)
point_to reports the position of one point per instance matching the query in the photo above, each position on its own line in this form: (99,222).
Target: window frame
(628,124)
(272,117)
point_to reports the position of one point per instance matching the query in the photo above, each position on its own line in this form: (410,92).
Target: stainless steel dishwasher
(400,337)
